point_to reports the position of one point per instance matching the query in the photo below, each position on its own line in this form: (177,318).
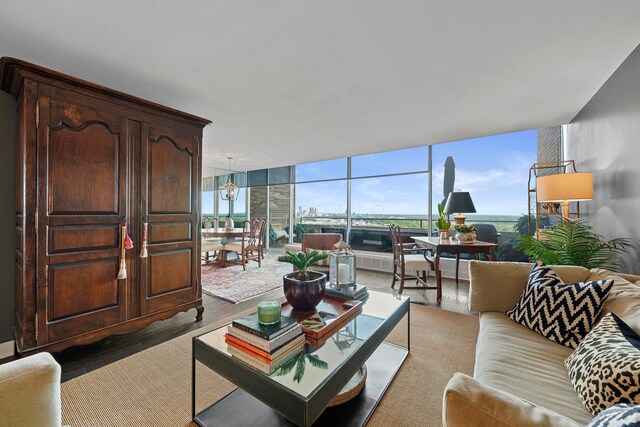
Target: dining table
(230,235)
(454,247)
(222,232)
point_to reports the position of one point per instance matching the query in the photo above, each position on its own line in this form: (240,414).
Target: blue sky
(493,169)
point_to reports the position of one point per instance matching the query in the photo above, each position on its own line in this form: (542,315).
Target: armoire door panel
(170,186)
(169,271)
(169,232)
(83,237)
(82,288)
(82,186)
(170,172)
(77,110)
(83,170)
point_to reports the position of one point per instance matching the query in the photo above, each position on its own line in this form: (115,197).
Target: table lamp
(459,201)
(564,188)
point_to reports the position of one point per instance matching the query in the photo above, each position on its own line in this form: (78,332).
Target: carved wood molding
(159,138)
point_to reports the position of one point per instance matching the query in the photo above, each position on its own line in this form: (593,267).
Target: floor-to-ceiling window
(388,188)
(320,202)
(494,170)
(360,196)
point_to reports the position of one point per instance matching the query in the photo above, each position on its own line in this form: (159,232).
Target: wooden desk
(453,247)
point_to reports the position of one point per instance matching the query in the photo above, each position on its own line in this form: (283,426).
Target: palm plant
(572,242)
(443,222)
(299,362)
(302,261)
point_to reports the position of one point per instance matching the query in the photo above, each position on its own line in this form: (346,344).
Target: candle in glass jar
(343,274)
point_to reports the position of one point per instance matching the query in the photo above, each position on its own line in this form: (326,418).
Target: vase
(304,294)
(466,237)
(444,234)
(228,224)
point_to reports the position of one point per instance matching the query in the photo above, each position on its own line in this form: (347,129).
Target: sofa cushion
(564,313)
(512,358)
(466,399)
(621,415)
(496,286)
(623,299)
(605,368)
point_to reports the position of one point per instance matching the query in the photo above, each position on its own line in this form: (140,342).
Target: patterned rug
(235,285)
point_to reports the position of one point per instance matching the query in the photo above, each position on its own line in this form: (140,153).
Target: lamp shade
(459,201)
(565,187)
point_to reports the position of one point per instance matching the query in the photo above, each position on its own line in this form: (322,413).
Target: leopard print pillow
(605,368)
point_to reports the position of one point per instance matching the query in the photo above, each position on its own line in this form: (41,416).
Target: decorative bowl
(304,295)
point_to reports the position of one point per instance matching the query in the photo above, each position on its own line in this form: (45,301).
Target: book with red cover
(261,343)
(261,354)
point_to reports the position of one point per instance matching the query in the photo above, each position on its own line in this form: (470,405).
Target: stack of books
(264,347)
(357,292)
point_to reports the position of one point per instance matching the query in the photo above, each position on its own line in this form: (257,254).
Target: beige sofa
(30,392)
(519,376)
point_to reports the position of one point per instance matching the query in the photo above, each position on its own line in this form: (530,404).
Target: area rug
(153,387)
(235,285)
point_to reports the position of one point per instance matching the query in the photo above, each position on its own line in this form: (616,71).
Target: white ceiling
(291,81)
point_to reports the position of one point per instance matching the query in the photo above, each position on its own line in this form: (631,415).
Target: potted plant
(465,233)
(443,223)
(303,288)
(572,242)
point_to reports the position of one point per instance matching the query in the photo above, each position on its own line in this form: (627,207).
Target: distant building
(313,211)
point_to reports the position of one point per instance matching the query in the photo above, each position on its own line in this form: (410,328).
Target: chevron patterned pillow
(621,415)
(564,313)
(605,368)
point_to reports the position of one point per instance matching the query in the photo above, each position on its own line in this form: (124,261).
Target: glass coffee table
(300,393)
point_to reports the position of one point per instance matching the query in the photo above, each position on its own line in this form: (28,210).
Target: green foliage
(299,230)
(465,229)
(572,242)
(299,362)
(302,261)
(443,222)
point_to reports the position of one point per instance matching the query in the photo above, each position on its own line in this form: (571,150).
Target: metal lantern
(342,266)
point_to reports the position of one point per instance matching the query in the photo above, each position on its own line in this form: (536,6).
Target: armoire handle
(143,245)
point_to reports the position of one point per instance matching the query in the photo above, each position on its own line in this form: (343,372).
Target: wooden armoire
(90,159)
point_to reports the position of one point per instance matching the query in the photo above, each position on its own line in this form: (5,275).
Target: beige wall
(7,213)
(604,138)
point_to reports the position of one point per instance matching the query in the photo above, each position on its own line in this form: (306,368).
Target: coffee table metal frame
(302,411)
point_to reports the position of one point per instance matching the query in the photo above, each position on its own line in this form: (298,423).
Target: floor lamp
(564,188)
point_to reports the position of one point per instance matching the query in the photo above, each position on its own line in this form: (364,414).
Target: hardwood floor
(79,360)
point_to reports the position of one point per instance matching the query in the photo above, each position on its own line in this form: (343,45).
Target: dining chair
(409,257)
(211,244)
(250,247)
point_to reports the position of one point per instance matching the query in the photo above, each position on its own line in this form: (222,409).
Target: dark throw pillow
(564,313)
(605,368)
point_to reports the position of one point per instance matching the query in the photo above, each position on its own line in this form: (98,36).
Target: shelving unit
(538,211)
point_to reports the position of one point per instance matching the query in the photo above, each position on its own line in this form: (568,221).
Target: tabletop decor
(342,266)
(465,233)
(459,201)
(269,312)
(443,223)
(303,288)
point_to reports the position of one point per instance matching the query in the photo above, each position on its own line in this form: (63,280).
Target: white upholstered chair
(211,244)
(30,390)
(408,258)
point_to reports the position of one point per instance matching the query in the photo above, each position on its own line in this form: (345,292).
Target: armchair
(30,390)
